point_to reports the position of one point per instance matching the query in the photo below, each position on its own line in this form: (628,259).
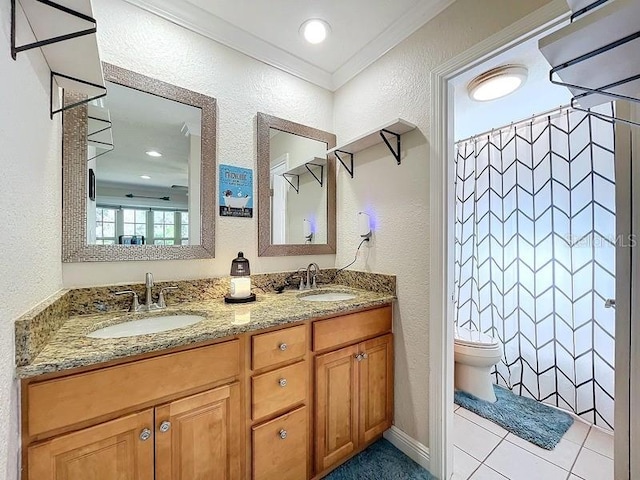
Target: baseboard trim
(409,446)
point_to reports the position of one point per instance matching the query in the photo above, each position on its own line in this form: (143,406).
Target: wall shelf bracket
(396,152)
(52,112)
(296,187)
(15,49)
(308,166)
(337,154)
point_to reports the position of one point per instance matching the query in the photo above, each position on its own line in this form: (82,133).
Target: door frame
(441,224)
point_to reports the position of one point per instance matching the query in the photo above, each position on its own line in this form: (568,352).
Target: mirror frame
(265,247)
(75,177)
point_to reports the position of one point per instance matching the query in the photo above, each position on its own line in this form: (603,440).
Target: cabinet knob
(145,434)
(358,357)
(282,382)
(165,426)
(283,434)
(283,346)
(364,355)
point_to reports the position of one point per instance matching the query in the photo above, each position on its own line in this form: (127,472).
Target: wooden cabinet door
(116,450)
(199,437)
(375,377)
(336,425)
(281,447)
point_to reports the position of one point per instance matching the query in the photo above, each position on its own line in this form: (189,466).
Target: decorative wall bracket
(308,166)
(296,187)
(347,168)
(15,49)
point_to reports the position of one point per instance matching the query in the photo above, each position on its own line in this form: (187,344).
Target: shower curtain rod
(531,120)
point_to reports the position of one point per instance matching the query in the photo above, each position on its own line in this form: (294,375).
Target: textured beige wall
(398,85)
(30,189)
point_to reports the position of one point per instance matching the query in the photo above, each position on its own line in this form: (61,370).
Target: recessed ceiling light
(497,82)
(154,153)
(145,177)
(315,30)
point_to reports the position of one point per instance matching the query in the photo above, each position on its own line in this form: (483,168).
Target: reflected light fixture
(145,177)
(497,82)
(153,153)
(315,30)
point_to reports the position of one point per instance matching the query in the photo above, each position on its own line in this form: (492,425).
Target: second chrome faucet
(149,304)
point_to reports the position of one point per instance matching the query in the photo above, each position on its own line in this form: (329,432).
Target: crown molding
(208,25)
(191,17)
(400,30)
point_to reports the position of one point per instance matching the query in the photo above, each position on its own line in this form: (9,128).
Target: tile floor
(486,451)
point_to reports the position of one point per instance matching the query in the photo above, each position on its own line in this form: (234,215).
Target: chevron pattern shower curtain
(535,256)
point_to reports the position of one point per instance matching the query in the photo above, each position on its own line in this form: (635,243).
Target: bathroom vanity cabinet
(288,403)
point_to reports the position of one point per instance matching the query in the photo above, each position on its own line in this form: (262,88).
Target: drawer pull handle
(145,434)
(283,346)
(282,382)
(283,434)
(165,426)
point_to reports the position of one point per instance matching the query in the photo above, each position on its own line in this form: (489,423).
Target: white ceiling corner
(396,25)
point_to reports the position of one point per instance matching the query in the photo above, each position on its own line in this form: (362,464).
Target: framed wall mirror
(296,189)
(139,172)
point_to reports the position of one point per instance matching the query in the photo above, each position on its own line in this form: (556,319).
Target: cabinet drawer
(280,447)
(335,332)
(275,391)
(274,348)
(77,398)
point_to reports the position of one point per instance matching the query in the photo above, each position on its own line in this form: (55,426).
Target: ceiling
(361,30)
(143,122)
(538,94)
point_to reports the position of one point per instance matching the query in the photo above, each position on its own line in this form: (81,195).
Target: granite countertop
(71,348)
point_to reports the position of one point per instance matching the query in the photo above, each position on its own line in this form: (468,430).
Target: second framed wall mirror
(296,189)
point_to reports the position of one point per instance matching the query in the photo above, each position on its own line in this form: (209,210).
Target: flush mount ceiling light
(145,177)
(497,82)
(153,153)
(315,30)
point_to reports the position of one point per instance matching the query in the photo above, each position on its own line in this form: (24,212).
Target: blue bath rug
(533,421)
(381,461)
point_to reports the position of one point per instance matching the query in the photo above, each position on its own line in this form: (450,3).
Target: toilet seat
(474,339)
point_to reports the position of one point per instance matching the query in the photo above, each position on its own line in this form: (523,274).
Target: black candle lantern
(240,291)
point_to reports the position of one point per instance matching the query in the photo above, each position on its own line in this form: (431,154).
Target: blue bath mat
(381,461)
(533,421)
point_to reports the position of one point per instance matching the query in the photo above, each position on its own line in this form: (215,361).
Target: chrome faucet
(311,278)
(149,304)
(148,301)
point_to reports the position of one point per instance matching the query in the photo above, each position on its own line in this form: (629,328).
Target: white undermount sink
(327,297)
(146,326)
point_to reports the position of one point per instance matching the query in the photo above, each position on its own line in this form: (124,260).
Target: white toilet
(475,355)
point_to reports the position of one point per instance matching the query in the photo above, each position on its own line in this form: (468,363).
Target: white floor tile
(463,464)
(563,455)
(593,466)
(483,422)
(577,432)
(574,477)
(485,473)
(518,464)
(600,441)
(473,439)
